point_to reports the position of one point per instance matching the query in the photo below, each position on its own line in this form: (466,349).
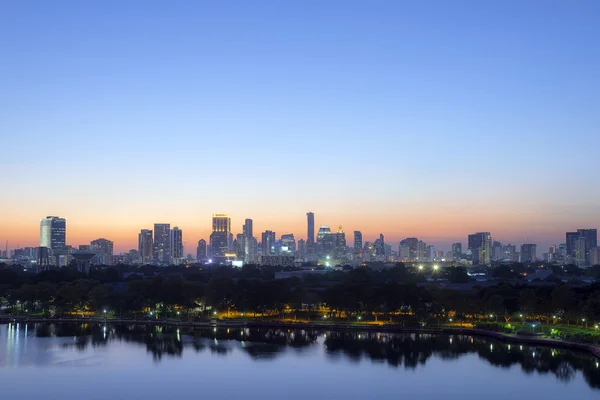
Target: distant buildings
(310,234)
(288,243)
(358,240)
(268,243)
(457,251)
(579,246)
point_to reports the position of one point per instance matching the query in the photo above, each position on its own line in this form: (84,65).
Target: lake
(95,361)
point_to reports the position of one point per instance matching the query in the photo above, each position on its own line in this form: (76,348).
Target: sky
(432,119)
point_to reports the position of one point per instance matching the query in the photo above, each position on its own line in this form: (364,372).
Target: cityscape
(327,247)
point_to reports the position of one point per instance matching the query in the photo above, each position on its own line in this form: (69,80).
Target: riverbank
(504,337)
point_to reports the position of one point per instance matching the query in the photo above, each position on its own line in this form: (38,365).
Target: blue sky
(395,116)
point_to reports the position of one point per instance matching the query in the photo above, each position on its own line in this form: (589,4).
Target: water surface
(75,361)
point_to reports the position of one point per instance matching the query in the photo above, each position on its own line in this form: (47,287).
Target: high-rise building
(408,249)
(340,242)
(145,244)
(302,247)
(310,235)
(201,250)
(571,238)
(219,238)
(580,251)
(268,243)
(430,250)
(379,245)
(162,252)
(53,232)
(591,241)
(421,251)
(288,243)
(528,252)
(496,251)
(247,228)
(480,245)
(104,250)
(509,253)
(358,243)
(325,242)
(239,246)
(176,245)
(457,250)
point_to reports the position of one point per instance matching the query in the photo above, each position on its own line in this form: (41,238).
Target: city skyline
(405,119)
(190,240)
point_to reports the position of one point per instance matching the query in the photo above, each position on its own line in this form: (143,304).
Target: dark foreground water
(45,361)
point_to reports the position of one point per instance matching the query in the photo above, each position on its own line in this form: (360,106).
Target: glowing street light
(436,267)
(420,267)
(214,313)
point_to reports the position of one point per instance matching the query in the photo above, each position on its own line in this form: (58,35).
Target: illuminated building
(408,249)
(480,245)
(247,228)
(358,243)
(457,250)
(288,243)
(325,241)
(219,238)
(268,243)
(580,251)
(340,242)
(145,245)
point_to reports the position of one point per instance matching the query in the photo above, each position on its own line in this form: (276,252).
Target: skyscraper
(176,245)
(408,249)
(340,242)
(288,243)
(145,244)
(268,243)
(457,250)
(571,238)
(53,232)
(247,228)
(219,238)
(201,250)
(162,252)
(104,249)
(591,241)
(310,236)
(480,245)
(358,243)
(325,242)
(528,252)
(580,251)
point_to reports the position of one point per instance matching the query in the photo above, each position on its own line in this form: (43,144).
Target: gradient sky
(412,118)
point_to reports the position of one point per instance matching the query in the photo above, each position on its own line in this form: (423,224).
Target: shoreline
(504,337)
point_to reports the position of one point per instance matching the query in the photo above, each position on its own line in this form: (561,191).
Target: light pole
(105,315)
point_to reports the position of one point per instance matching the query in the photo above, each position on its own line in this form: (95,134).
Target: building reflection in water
(397,350)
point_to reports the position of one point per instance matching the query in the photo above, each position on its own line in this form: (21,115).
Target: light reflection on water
(267,362)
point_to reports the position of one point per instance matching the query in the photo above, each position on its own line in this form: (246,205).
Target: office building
(145,244)
(408,249)
(421,254)
(580,251)
(176,245)
(268,243)
(219,238)
(53,232)
(528,253)
(325,242)
(104,251)
(430,250)
(358,243)
(591,241)
(302,247)
(201,250)
(596,256)
(496,251)
(509,253)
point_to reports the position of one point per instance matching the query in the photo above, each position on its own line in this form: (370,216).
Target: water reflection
(397,350)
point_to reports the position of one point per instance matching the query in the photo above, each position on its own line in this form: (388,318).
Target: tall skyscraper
(408,249)
(219,238)
(288,243)
(176,245)
(247,228)
(201,250)
(145,245)
(340,242)
(591,241)
(509,253)
(162,252)
(580,251)
(358,243)
(325,242)
(528,252)
(310,236)
(268,243)
(104,249)
(53,232)
(571,238)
